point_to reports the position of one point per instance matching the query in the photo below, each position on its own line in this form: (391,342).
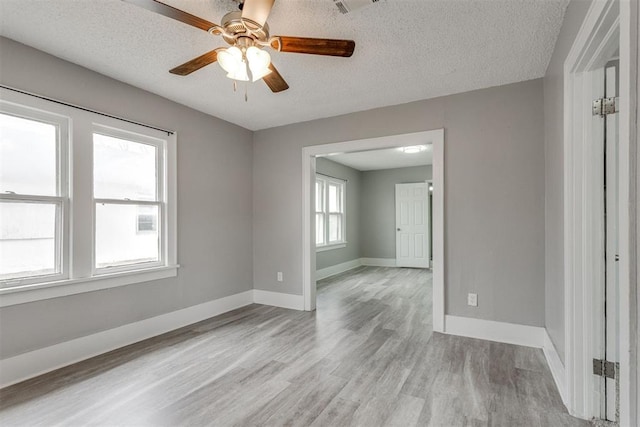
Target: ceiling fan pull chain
(246,92)
(235,87)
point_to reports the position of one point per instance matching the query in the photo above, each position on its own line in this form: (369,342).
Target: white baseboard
(556,366)
(332,270)
(510,333)
(346,266)
(37,362)
(378,262)
(277,299)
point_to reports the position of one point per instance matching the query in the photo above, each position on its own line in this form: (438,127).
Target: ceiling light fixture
(413,149)
(247,34)
(245,64)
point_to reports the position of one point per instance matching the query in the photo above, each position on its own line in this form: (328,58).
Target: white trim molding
(309,153)
(606,29)
(41,291)
(28,365)
(332,270)
(509,333)
(278,299)
(37,362)
(331,247)
(379,262)
(556,366)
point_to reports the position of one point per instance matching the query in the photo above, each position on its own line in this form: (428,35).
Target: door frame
(435,137)
(607,27)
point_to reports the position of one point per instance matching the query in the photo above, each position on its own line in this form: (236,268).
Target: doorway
(436,139)
(596,223)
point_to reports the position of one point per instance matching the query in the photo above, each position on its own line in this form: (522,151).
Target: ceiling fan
(247,33)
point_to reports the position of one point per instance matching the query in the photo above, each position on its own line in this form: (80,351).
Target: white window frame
(76,181)
(61,200)
(160,202)
(342,184)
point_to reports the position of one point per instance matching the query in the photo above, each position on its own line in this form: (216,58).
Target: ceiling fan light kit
(247,33)
(244,64)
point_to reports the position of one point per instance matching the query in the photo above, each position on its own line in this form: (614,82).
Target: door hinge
(605,106)
(604,368)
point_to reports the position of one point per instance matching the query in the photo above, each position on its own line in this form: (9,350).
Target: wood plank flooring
(366,357)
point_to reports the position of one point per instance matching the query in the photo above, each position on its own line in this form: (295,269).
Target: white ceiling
(406,50)
(389,158)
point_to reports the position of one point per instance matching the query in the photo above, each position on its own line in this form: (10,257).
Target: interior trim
(509,333)
(37,362)
(556,366)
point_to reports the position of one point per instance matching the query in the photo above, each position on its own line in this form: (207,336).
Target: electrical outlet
(472,300)
(279,276)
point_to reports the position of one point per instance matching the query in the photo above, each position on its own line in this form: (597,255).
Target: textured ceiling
(406,50)
(388,158)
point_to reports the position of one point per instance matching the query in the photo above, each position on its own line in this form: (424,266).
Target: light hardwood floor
(366,357)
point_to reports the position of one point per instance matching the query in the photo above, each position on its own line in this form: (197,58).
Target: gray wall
(378,224)
(331,257)
(214,207)
(554,158)
(494,195)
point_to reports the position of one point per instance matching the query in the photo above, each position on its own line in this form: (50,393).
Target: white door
(412,225)
(611,291)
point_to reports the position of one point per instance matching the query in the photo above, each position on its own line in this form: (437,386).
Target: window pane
(334,198)
(123,169)
(119,240)
(319,229)
(27,156)
(335,228)
(27,239)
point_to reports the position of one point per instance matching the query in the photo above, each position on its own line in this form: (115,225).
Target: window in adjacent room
(330,211)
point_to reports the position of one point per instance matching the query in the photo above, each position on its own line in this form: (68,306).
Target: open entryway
(328,192)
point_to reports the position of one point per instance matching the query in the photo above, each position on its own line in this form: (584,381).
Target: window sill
(40,291)
(331,247)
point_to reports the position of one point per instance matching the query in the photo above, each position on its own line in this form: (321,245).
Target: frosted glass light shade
(259,61)
(230,59)
(239,74)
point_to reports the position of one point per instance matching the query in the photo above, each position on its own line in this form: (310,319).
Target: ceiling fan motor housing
(233,24)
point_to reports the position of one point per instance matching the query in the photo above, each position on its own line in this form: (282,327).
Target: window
(128,197)
(33,195)
(108,221)
(330,211)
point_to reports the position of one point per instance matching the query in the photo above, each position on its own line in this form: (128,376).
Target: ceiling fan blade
(329,47)
(171,12)
(275,81)
(256,11)
(195,64)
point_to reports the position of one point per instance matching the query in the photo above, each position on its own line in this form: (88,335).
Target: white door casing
(435,137)
(412,225)
(612,300)
(606,29)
